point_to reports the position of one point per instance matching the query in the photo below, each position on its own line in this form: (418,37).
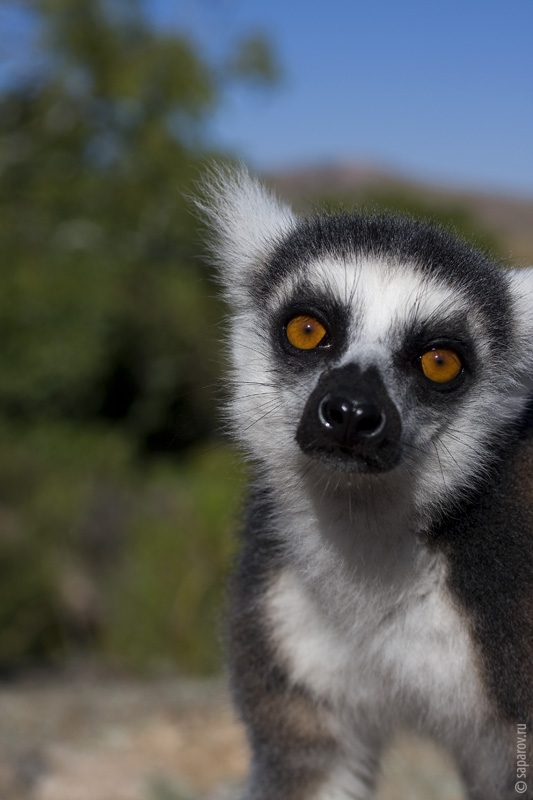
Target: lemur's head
(366,345)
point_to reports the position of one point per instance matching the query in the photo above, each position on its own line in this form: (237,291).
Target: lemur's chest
(406,650)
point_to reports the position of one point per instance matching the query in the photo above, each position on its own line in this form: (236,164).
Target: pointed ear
(246,222)
(521,284)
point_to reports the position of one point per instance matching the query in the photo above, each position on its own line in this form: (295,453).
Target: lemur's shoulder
(489,546)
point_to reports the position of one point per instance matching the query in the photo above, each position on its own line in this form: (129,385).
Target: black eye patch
(450,332)
(331,316)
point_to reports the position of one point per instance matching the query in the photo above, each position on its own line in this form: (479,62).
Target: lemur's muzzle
(350,422)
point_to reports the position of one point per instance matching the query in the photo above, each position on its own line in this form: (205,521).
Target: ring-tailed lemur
(381,380)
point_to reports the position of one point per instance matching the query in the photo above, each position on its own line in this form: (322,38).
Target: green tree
(100,247)
(108,326)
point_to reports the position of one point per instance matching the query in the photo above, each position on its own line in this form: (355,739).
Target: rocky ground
(89,738)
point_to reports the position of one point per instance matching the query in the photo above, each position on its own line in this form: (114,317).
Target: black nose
(348,420)
(350,423)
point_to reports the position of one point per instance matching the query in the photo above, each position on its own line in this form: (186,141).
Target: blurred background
(119,494)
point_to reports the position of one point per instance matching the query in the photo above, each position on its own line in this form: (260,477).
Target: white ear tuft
(247,222)
(521,284)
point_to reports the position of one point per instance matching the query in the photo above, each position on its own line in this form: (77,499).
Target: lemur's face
(385,360)
(366,346)
(366,366)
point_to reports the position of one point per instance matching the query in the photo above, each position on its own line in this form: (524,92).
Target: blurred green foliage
(112,523)
(155,617)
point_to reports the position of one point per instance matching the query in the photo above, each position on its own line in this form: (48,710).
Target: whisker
(262,417)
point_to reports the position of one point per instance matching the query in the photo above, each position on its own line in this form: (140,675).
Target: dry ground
(168,739)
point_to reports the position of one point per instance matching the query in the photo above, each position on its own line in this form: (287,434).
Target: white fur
(521,282)
(355,779)
(403,658)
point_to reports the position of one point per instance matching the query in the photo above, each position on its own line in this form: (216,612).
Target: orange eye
(441,365)
(305,332)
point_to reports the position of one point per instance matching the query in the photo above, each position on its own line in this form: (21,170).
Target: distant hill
(509,219)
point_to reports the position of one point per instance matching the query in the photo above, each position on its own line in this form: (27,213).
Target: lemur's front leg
(297,754)
(302,749)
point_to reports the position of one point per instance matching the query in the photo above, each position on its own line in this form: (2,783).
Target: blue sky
(439,91)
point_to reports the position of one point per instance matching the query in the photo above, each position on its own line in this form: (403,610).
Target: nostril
(349,420)
(369,419)
(335,415)
(334,412)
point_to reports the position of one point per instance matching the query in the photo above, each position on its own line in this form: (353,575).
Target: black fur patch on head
(449,332)
(429,250)
(334,316)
